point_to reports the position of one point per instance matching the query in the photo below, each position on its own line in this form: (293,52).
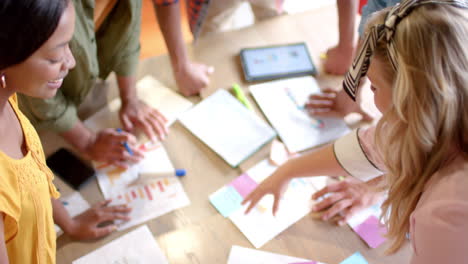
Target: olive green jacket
(115,47)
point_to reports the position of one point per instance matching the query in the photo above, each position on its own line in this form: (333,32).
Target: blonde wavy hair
(427,124)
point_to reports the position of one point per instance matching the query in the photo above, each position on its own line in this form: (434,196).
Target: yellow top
(26,189)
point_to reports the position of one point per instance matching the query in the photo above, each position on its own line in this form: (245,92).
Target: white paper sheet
(260,226)
(149,199)
(75,205)
(152,92)
(242,255)
(115,180)
(294,126)
(227,127)
(136,247)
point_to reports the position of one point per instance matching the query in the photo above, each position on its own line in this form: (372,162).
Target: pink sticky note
(372,231)
(243,184)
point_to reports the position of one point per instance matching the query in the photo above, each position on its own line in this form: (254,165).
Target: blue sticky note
(226,200)
(356,258)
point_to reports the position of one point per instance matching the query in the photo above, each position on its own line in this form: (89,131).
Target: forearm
(127,89)
(79,136)
(169,23)
(315,163)
(61,216)
(347,10)
(3,251)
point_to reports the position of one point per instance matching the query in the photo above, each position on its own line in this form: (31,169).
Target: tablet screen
(276,62)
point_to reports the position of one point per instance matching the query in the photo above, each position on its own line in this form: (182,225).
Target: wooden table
(198,233)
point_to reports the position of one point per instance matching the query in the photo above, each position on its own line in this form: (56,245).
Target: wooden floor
(152,41)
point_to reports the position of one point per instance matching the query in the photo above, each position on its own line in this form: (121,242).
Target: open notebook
(227,127)
(282,102)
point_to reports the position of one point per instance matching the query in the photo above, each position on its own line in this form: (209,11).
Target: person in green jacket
(113,47)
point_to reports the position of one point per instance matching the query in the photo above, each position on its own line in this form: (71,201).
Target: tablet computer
(273,62)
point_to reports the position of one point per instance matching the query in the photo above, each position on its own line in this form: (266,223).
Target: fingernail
(340,223)
(325,217)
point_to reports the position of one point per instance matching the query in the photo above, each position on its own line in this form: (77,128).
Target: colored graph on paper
(114,180)
(151,200)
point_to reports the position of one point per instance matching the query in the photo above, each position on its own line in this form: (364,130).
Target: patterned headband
(362,61)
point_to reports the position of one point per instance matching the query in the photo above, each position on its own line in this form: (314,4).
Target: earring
(3,81)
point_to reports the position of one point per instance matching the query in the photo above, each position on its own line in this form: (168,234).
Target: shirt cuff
(128,65)
(353,159)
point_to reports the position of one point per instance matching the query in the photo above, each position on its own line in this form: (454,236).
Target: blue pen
(125,144)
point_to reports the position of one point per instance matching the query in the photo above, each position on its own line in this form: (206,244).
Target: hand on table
(331,103)
(276,184)
(345,199)
(338,60)
(193,77)
(137,114)
(108,147)
(86,225)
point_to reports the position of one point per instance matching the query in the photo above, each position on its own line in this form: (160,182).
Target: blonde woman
(416,58)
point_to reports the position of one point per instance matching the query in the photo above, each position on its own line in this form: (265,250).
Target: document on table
(282,103)
(75,205)
(227,127)
(260,226)
(138,246)
(242,255)
(150,91)
(368,226)
(148,199)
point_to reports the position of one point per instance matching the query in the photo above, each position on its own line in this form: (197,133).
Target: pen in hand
(125,144)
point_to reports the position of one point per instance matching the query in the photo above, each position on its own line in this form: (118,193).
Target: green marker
(241,96)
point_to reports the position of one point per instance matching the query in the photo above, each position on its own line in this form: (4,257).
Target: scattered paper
(260,226)
(136,247)
(75,205)
(151,200)
(283,102)
(227,127)
(242,255)
(368,226)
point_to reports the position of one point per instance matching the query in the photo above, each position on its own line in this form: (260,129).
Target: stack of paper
(368,226)
(260,226)
(227,127)
(242,255)
(282,103)
(138,246)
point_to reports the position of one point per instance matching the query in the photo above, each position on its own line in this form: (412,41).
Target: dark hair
(24,27)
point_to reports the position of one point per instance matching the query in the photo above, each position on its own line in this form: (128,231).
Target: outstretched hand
(87,225)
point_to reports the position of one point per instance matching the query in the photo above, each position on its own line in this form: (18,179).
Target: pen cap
(180,172)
